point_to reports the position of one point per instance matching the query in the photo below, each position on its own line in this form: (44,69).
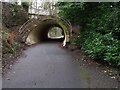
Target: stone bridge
(36,29)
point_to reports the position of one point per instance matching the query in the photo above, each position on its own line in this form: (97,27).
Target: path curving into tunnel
(36,30)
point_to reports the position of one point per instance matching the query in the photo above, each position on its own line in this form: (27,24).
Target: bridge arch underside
(40,32)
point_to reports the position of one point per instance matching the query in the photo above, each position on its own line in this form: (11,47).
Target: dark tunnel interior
(41,32)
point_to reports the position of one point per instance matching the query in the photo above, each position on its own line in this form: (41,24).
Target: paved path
(49,66)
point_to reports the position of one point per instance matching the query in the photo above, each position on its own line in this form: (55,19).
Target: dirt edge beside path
(86,61)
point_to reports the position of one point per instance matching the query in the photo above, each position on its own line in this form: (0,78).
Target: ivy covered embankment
(99,35)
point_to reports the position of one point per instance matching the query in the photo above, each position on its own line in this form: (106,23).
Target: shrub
(99,36)
(103,48)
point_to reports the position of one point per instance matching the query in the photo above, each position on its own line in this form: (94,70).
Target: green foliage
(9,47)
(99,36)
(25,5)
(68,9)
(103,48)
(15,47)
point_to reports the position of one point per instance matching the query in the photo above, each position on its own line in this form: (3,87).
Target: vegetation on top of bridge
(100,33)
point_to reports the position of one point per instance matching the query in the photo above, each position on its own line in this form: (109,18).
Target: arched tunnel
(46,26)
(39,32)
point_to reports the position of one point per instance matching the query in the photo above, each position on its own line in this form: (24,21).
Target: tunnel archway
(38,30)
